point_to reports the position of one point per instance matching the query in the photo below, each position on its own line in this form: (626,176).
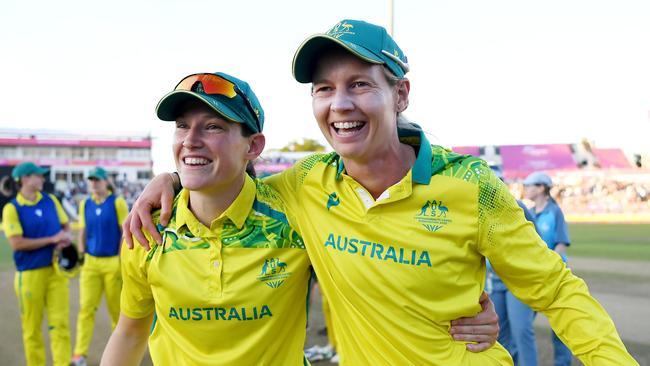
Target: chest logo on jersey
(39,212)
(98,211)
(274,272)
(433,215)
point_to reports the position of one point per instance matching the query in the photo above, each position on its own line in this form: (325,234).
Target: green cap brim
(28,170)
(168,107)
(41,171)
(308,53)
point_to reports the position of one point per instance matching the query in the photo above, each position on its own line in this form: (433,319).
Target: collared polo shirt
(397,270)
(233,293)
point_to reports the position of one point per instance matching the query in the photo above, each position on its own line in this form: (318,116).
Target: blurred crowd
(602,193)
(575,193)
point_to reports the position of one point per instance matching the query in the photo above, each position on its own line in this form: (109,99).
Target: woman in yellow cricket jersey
(228,285)
(398,230)
(35,224)
(100,220)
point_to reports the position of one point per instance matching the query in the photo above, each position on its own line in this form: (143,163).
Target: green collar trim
(422,168)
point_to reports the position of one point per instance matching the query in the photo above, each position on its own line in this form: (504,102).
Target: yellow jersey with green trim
(397,270)
(233,293)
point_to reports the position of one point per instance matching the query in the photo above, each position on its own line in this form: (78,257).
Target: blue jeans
(561,353)
(516,332)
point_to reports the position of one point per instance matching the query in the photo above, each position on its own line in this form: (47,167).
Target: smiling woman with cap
(100,232)
(398,230)
(228,284)
(389,181)
(35,223)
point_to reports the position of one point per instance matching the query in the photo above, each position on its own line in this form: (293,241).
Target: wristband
(176,182)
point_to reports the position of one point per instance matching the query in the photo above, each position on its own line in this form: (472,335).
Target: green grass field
(610,241)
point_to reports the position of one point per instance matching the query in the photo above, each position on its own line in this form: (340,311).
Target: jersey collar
(237,212)
(98,200)
(421,170)
(25,202)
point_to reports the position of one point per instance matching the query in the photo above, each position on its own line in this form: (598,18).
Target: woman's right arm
(128,342)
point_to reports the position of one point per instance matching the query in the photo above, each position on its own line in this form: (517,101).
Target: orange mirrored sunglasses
(215,84)
(210,84)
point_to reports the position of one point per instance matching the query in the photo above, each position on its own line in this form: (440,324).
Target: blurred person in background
(35,224)
(100,232)
(551,226)
(398,230)
(516,330)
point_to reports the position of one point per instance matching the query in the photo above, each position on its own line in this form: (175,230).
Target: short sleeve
(561,229)
(136,300)
(63,217)
(121,209)
(10,221)
(82,213)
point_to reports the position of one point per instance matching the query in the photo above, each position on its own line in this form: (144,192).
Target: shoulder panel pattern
(304,166)
(450,164)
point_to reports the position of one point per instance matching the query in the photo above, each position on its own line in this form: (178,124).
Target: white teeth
(346,125)
(195,161)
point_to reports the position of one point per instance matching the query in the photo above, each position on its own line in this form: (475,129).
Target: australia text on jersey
(378,251)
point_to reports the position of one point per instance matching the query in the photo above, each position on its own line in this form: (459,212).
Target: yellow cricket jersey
(398,269)
(231,294)
(11,222)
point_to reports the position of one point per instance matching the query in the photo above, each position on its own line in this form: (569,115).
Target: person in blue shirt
(551,226)
(35,225)
(516,331)
(100,231)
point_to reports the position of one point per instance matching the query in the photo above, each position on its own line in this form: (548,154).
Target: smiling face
(211,153)
(355,106)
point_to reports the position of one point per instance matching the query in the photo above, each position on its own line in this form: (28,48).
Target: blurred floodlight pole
(391,13)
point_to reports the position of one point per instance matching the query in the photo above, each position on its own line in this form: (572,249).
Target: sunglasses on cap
(216,85)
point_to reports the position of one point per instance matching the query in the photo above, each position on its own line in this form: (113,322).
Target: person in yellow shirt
(100,232)
(228,285)
(35,225)
(398,230)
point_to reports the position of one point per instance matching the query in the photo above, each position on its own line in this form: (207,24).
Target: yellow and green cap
(369,42)
(27,168)
(98,173)
(242,106)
